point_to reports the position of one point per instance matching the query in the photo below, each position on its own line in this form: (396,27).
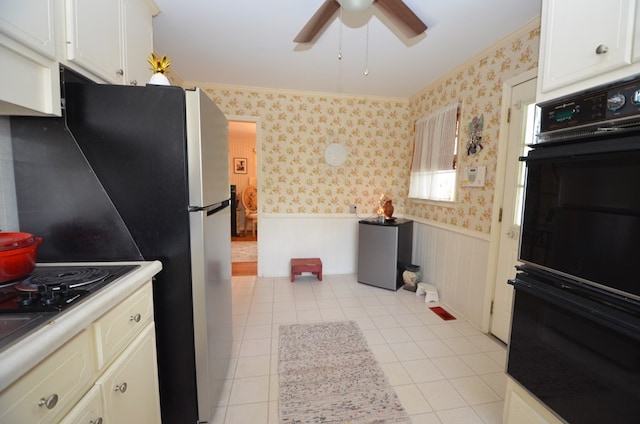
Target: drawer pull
(98,421)
(135,317)
(602,49)
(49,402)
(121,388)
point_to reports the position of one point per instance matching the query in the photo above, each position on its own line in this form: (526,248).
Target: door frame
(259,180)
(501,167)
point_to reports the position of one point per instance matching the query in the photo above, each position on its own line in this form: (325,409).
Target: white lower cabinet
(48,391)
(130,385)
(88,411)
(105,374)
(520,407)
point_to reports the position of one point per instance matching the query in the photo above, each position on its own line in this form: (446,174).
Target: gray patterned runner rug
(328,374)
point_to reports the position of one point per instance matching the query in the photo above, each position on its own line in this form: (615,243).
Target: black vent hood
(59,196)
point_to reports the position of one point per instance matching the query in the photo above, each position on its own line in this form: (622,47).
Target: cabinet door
(130,385)
(51,388)
(94,37)
(581,39)
(138,27)
(28,56)
(88,411)
(30,22)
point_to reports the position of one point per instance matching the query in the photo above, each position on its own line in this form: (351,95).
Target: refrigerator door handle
(210,209)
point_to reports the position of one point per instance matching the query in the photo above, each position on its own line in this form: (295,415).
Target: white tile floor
(443,371)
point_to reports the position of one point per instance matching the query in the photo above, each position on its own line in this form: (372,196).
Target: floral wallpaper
(296,129)
(378,136)
(478,86)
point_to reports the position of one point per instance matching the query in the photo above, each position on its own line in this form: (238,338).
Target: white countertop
(26,353)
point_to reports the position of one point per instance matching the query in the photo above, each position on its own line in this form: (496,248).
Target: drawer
(51,388)
(88,410)
(130,384)
(115,329)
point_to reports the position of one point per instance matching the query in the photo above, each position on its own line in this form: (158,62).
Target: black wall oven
(575,332)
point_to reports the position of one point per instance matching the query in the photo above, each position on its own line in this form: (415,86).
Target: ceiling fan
(396,10)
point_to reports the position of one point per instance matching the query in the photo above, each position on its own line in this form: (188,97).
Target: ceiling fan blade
(317,21)
(400,14)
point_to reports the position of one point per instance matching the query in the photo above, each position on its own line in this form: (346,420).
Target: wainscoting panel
(456,263)
(332,238)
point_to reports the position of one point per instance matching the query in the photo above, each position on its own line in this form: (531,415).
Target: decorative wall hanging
(475,135)
(335,154)
(239,165)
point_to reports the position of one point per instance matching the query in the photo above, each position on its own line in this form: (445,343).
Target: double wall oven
(575,332)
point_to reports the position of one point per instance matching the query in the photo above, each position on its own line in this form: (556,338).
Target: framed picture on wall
(239,165)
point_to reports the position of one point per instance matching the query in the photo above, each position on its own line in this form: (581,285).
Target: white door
(521,131)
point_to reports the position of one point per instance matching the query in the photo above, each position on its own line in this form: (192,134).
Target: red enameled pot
(17,255)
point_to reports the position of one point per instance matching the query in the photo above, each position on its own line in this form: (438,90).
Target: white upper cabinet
(30,80)
(95,37)
(586,43)
(111,39)
(31,22)
(138,31)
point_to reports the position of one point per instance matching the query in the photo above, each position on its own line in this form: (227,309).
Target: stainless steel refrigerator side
(210,234)
(207,149)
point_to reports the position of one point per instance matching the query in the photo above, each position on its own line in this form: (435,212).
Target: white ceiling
(250,43)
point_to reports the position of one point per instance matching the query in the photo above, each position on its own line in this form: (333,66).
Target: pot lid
(11,241)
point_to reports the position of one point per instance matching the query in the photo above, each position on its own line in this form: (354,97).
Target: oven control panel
(615,103)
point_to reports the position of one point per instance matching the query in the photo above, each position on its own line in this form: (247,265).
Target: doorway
(520,132)
(243,177)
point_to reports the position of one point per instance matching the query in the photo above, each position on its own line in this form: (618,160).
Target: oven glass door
(582,212)
(578,356)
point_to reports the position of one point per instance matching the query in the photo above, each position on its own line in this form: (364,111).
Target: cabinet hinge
(500,215)
(491,310)
(509,116)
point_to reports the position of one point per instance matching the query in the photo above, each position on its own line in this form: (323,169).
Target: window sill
(442,203)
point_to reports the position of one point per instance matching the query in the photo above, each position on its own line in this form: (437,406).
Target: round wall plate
(335,154)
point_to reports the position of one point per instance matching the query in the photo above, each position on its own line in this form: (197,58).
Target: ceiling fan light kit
(396,10)
(355,5)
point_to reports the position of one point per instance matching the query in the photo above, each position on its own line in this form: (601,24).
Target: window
(433,171)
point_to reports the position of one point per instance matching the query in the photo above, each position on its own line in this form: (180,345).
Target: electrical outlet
(353,209)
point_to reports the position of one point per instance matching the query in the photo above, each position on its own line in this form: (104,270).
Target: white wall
(332,238)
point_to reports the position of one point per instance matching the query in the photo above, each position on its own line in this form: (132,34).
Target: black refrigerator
(133,173)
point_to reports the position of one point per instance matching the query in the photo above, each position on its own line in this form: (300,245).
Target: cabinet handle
(135,317)
(49,402)
(134,82)
(120,72)
(121,388)
(98,421)
(602,49)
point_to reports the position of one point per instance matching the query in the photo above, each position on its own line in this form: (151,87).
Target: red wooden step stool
(300,265)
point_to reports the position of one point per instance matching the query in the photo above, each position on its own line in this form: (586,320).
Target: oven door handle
(609,316)
(614,144)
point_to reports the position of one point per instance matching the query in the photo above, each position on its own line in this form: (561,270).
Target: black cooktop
(27,303)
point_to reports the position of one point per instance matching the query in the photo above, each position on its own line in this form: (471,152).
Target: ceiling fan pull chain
(366,55)
(340,37)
